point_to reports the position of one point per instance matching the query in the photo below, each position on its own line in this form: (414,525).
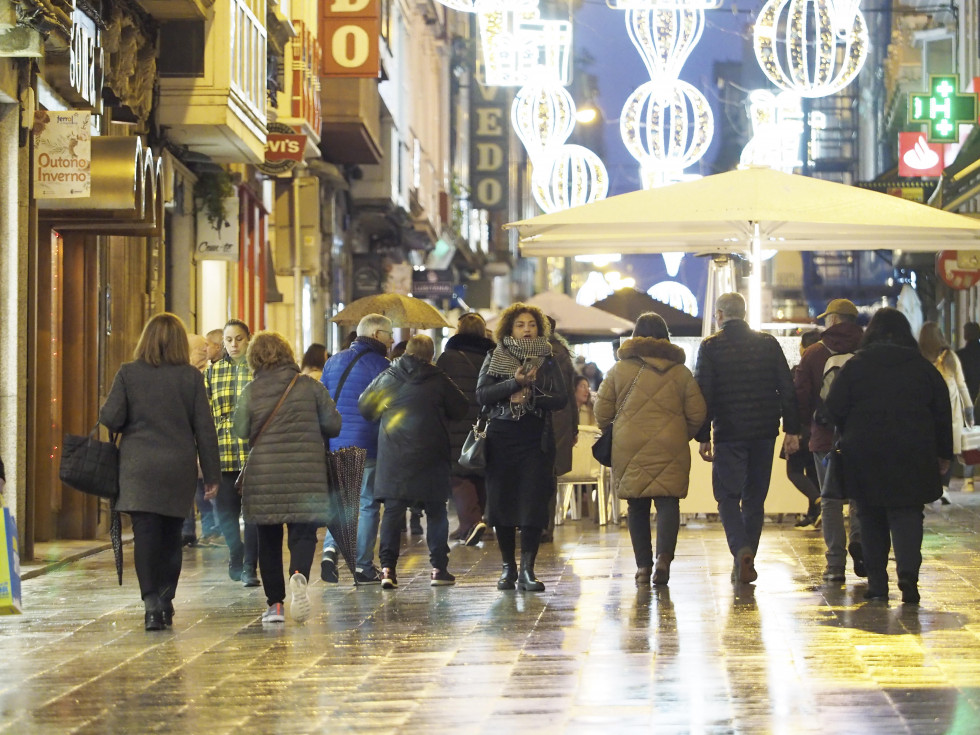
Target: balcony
(164,10)
(213,82)
(300,104)
(351,110)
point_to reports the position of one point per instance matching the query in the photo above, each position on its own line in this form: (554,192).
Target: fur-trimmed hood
(656,349)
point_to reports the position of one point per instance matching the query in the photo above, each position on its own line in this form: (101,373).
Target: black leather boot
(508,576)
(526,579)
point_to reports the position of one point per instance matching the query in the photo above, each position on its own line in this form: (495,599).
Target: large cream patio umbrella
(744,212)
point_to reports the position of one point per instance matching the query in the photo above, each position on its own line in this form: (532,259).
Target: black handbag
(833,484)
(474,454)
(90,464)
(602,448)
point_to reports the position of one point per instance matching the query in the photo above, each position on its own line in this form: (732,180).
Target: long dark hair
(889,326)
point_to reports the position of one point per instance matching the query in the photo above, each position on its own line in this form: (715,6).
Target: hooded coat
(461,359)
(651,456)
(415,402)
(371,360)
(892,409)
(286,474)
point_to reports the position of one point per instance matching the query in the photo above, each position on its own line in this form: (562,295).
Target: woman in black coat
(520,384)
(159,405)
(415,402)
(461,359)
(892,410)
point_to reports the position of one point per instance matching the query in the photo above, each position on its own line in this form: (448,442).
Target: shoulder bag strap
(276,409)
(467,358)
(343,376)
(628,392)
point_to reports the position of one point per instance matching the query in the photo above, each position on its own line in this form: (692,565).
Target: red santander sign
(958,269)
(918,157)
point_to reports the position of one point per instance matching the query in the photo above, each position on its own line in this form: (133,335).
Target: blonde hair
(268,350)
(509,315)
(421,347)
(163,341)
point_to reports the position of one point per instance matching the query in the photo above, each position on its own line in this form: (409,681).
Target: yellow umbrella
(404,311)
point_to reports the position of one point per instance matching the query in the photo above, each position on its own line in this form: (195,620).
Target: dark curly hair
(509,315)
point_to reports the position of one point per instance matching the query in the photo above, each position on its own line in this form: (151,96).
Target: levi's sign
(281,147)
(350,31)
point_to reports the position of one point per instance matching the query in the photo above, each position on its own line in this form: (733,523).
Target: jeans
(436,532)
(156,552)
(835,536)
(302,547)
(905,526)
(470,497)
(368,520)
(228,508)
(209,525)
(668,524)
(740,477)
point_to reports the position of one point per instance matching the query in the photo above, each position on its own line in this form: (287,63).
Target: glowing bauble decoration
(664,38)
(663,4)
(573,176)
(666,125)
(673,263)
(777,126)
(519,47)
(675,294)
(543,116)
(811,47)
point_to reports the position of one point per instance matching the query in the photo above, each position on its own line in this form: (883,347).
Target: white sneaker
(299,607)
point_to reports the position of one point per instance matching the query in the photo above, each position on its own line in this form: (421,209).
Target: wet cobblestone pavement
(592,654)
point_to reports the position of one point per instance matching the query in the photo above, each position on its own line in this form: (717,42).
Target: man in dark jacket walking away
(747,385)
(415,402)
(461,359)
(841,338)
(345,376)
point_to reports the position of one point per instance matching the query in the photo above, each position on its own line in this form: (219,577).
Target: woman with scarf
(520,384)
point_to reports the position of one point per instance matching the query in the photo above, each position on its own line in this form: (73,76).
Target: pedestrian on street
(345,377)
(812,380)
(800,468)
(935,348)
(892,409)
(216,345)
(747,385)
(415,401)
(225,380)
(461,360)
(969,356)
(286,477)
(584,401)
(198,347)
(313,360)
(520,384)
(564,421)
(658,409)
(159,405)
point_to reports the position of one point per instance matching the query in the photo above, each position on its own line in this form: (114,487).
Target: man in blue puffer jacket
(345,376)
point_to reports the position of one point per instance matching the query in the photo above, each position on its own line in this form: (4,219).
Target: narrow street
(592,654)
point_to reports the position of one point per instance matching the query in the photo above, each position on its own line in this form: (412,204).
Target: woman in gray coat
(158,404)
(286,474)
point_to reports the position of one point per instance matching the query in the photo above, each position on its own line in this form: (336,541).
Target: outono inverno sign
(62,154)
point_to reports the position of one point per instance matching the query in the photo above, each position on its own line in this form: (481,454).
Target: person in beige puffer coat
(651,460)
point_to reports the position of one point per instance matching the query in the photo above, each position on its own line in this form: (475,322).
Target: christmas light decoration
(777,126)
(665,38)
(519,47)
(811,47)
(573,176)
(663,4)
(676,295)
(543,116)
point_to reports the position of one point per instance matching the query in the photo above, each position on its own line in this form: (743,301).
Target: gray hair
(731,305)
(372,323)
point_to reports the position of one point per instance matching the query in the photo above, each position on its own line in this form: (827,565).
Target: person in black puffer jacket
(415,402)
(747,385)
(461,359)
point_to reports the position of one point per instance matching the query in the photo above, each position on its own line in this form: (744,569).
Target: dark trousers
(470,498)
(302,546)
(507,541)
(802,472)
(668,524)
(740,477)
(156,551)
(205,507)
(436,532)
(880,529)
(228,506)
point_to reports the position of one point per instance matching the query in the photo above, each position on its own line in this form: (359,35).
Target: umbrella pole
(755,280)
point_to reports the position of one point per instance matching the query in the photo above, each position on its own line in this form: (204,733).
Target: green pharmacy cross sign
(942,109)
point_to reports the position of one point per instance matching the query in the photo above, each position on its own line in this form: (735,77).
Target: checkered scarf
(510,355)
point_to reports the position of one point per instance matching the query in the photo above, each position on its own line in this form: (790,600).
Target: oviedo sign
(350,32)
(489,141)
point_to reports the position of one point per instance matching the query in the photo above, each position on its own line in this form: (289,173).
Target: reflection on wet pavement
(592,654)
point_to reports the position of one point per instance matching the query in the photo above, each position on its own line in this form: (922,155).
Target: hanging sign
(918,157)
(218,240)
(62,155)
(489,140)
(350,30)
(432,284)
(284,148)
(957,272)
(942,109)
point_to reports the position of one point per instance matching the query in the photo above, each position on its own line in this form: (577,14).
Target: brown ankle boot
(661,572)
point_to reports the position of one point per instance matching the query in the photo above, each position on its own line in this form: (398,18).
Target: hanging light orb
(666,125)
(664,37)
(543,116)
(811,47)
(572,177)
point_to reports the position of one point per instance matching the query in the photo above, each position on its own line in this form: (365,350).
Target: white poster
(62,155)
(217,236)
